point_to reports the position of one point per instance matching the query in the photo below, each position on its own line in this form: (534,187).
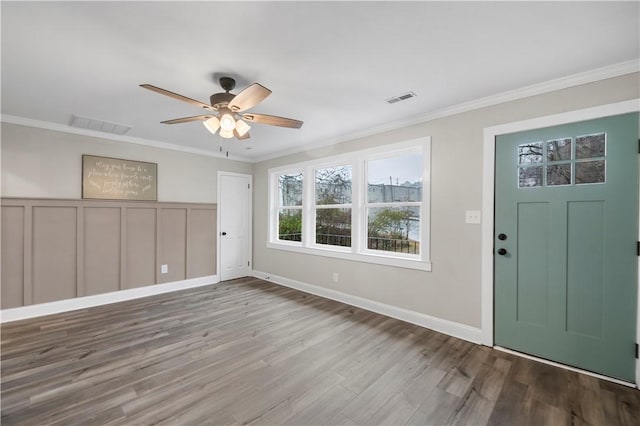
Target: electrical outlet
(473,216)
(335,277)
(164,269)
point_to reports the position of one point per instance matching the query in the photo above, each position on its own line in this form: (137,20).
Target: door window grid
(562,162)
(591,154)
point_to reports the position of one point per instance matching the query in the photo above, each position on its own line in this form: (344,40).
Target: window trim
(366,205)
(275,207)
(358,250)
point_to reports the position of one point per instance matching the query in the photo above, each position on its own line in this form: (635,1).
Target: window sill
(366,258)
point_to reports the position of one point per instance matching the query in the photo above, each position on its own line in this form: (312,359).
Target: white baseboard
(450,328)
(31,311)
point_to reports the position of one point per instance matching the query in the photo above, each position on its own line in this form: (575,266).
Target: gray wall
(39,163)
(451,291)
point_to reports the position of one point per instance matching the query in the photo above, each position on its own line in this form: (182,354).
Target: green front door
(566,227)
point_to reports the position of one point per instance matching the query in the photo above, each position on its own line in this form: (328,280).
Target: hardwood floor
(250,352)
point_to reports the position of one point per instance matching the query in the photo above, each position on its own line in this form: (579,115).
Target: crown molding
(598,74)
(47,125)
(603,73)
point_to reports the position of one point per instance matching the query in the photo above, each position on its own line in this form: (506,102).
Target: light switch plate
(164,269)
(473,216)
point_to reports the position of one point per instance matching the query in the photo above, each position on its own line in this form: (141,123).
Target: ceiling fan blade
(177,96)
(273,120)
(187,119)
(246,135)
(249,97)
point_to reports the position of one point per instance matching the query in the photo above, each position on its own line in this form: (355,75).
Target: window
(369,206)
(333,205)
(393,205)
(290,207)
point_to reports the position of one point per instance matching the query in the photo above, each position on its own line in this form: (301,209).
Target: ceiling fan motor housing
(219,100)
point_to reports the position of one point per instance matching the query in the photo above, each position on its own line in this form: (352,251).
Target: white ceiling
(329,64)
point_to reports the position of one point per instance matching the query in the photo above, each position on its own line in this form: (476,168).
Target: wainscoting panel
(173,249)
(140,248)
(55,253)
(202,243)
(101,250)
(61,249)
(12,256)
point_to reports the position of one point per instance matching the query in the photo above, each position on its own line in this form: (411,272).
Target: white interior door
(234,225)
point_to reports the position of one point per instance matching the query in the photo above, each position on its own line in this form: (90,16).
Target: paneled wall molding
(59,249)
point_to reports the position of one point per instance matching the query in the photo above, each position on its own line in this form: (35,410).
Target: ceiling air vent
(99,125)
(402,97)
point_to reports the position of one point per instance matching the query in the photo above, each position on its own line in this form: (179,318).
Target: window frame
(315,207)
(368,205)
(274,203)
(358,251)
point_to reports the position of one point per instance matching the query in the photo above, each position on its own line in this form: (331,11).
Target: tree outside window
(333,195)
(394,198)
(290,207)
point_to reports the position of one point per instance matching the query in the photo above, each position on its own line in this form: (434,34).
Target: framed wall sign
(116,179)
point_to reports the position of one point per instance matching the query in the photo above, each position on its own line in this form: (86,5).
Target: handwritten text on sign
(116,179)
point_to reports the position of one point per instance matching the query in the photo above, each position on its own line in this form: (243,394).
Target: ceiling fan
(226,109)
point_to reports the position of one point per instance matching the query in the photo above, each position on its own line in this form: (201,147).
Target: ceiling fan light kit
(228,108)
(212,124)
(242,128)
(227,122)
(227,134)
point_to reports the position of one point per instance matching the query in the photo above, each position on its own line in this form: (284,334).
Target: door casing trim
(488,197)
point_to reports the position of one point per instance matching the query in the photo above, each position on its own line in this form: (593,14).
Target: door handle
(502,252)
(223,233)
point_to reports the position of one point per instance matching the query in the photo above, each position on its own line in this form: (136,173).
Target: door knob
(223,233)
(502,252)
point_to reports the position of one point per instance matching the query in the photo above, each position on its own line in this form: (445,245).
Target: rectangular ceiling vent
(99,125)
(403,97)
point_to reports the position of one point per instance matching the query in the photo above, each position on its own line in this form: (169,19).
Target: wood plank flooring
(251,352)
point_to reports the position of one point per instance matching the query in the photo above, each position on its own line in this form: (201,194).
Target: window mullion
(356,206)
(332,206)
(308,205)
(273,204)
(364,200)
(396,204)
